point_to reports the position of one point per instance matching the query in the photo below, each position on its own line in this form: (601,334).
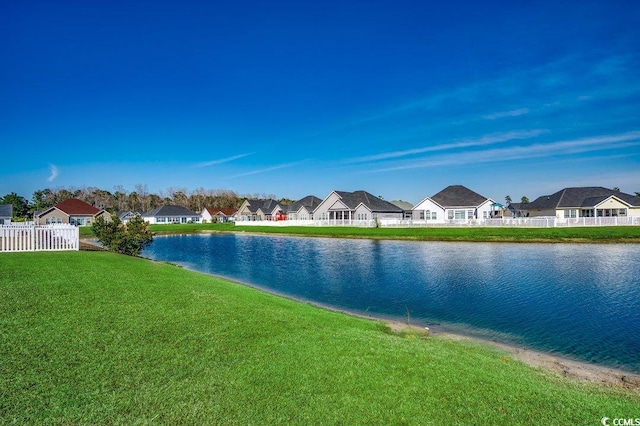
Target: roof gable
(169,210)
(458,196)
(588,196)
(213,211)
(266,205)
(74,206)
(373,203)
(310,202)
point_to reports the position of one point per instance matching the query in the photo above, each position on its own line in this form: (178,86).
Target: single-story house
(217,214)
(455,203)
(72,211)
(126,216)
(304,208)
(259,209)
(170,214)
(357,205)
(6,213)
(592,201)
(515,209)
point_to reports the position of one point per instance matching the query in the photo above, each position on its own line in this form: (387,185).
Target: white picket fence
(15,238)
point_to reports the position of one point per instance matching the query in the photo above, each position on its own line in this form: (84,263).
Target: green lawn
(629,234)
(100,338)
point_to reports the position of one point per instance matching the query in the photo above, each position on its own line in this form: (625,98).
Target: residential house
(358,205)
(170,214)
(72,211)
(515,209)
(127,216)
(304,208)
(217,214)
(259,209)
(6,213)
(455,203)
(592,201)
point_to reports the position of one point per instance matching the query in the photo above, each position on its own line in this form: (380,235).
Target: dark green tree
(524,199)
(508,199)
(129,239)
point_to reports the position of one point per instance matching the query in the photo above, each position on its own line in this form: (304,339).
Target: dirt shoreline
(563,367)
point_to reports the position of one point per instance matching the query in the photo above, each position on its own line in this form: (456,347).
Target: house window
(570,213)
(622,212)
(427,215)
(450,215)
(469,214)
(434,216)
(459,214)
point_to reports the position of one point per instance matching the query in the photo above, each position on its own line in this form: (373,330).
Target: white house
(355,206)
(216,214)
(171,214)
(584,202)
(454,203)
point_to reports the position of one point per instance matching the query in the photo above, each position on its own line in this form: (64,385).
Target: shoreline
(558,365)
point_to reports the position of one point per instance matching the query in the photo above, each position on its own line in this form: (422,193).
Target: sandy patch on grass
(567,368)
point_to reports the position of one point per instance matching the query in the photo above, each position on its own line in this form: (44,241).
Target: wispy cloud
(513,113)
(482,141)
(575,146)
(54,173)
(268,169)
(222,160)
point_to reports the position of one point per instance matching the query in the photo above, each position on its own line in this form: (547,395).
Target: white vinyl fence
(14,238)
(534,222)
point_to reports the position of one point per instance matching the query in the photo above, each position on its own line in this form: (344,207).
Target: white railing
(295,222)
(528,222)
(14,238)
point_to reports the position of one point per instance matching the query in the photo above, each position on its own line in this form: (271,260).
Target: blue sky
(399,98)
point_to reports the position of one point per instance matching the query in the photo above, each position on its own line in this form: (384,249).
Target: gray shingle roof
(170,210)
(6,210)
(310,202)
(375,204)
(258,204)
(587,196)
(458,196)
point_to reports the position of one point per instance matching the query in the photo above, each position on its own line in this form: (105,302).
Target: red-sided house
(71,211)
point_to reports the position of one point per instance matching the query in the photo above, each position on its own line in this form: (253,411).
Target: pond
(576,300)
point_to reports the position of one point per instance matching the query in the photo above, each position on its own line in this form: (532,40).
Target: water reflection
(578,300)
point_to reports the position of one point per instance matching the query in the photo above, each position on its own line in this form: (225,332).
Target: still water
(575,300)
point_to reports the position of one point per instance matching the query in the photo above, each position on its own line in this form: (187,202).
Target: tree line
(138,200)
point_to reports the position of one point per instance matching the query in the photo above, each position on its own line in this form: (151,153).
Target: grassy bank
(584,234)
(99,338)
(605,234)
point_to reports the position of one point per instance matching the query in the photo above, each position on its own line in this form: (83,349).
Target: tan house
(71,211)
(259,209)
